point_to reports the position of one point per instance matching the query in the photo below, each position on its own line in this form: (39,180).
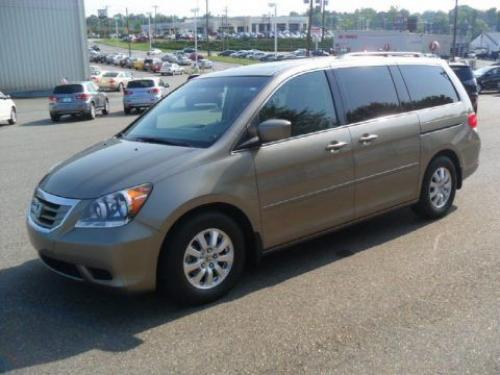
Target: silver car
(238,163)
(143,93)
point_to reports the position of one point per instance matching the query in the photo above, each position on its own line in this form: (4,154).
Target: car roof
(296,66)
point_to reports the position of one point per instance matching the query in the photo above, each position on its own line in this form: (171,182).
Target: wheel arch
(452,155)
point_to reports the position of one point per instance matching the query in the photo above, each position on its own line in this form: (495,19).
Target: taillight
(52,99)
(156,90)
(112,81)
(83,96)
(472,120)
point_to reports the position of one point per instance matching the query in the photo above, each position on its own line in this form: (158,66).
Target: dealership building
(234,24)
(43,41)
(375,40)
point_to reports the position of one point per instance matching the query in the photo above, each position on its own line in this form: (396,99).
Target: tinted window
(464,73)
(306,101)
(140,83)
(68,89)
(198,113)
(429,86)
(368,91)
(110,74)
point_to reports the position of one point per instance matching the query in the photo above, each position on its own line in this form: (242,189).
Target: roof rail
(388,54)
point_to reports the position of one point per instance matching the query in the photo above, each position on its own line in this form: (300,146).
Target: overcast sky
(259,7)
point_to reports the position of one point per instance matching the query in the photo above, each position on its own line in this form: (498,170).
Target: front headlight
(116,209)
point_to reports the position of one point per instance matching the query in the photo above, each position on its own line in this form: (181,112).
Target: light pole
(454,43)
(275,6)
(149,29)
(195,13)
(154,21)
(309,27)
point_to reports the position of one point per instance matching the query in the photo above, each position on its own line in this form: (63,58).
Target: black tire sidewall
(171,278)
(425,205)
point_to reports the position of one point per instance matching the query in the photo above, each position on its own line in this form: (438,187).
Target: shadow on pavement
(46,318)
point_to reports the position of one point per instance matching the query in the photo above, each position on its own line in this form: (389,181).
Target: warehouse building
(488,41)
(43,41)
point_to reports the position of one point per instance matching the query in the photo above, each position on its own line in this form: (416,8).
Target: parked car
(95,48)
(194,55)
(227,52)
(488,78)
(205,64)
(150,62)
(466,76)
(143,93)
(77,99)
(154,52)
(115,80)
(138,64)
(8,110)
(320,52)
(117,59)
(169,57)
(95,74)
(201,183)
(188,50)
(171,69)
(183,61)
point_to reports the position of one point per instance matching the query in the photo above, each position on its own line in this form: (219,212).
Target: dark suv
(488,78)
(466,76)
(80,98)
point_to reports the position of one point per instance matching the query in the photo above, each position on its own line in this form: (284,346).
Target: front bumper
(122,258)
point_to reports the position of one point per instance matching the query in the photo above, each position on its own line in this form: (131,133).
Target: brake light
(112,81)
(83,96)
(52,99)
(472,120)
(156,90)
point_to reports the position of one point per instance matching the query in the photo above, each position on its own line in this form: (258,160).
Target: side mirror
(274,130)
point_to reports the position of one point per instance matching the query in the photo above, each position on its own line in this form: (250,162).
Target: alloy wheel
(440,187)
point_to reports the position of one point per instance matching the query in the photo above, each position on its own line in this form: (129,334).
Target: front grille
(62,267)
(47,211)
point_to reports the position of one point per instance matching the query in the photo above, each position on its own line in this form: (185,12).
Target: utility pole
(275,6)
(454,43)
(309,28)
(206,28)
(154,22)
(195,11)
(149,29)
(128,34)
(323,5)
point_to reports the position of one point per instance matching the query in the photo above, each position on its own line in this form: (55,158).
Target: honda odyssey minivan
(235,164)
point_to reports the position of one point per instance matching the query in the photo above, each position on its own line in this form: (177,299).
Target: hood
(114,165)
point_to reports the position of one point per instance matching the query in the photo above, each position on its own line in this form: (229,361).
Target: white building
(42,41)
(488,41)
(380,40)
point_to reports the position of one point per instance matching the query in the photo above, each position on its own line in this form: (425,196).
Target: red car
(192,56)
(156,66)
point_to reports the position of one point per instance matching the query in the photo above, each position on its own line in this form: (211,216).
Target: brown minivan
(235,164)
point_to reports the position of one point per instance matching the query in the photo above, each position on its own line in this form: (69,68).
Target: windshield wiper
(160,141)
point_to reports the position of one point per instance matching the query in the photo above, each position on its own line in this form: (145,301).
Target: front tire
(105,110)
(13,116)
(91,113)
(438,189)
(202,260)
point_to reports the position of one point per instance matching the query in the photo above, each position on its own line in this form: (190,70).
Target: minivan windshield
(198,113)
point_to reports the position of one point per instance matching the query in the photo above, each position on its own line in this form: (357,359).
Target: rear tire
(13,116)
(91,113)
(220,262)
(126,110)
(105,110)
(54,118)
(438,189)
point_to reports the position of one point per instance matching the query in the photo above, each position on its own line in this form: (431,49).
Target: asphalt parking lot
(392,295)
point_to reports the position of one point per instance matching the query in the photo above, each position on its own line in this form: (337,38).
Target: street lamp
(195,13)
(149,29)
(275,6)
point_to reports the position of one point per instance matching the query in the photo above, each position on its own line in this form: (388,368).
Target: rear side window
(464,73)
(428,86)
(369,92)
(140,83)
(305,101)
(68,89)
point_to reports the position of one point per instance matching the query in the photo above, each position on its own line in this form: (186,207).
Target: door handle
(335,146)
(368,138)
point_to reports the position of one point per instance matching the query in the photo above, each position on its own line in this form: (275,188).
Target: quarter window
(305,101)
(368,91)
(428,86)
